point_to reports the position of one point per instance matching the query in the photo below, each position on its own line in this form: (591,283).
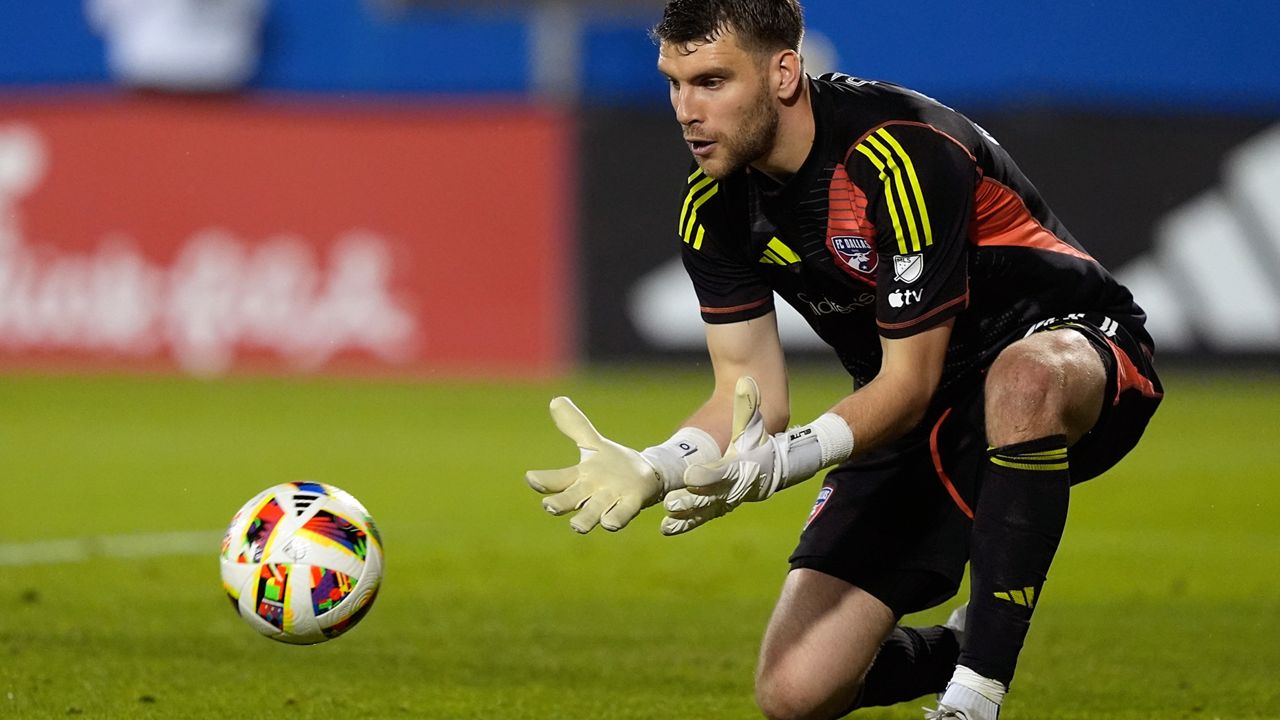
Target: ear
(789,69)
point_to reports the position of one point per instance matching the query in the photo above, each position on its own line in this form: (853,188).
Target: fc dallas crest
(823,496)
(856,253)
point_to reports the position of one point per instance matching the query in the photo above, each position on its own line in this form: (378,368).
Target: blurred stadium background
(347,184)
(364,241)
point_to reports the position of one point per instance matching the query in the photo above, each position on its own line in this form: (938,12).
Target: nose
(687,112)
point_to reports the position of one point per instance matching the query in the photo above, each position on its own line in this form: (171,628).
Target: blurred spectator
(180,45)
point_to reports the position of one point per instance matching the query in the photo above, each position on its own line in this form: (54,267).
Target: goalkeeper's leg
(884,539)
(1043,394)
(822,637)
(832,647)
(914,661)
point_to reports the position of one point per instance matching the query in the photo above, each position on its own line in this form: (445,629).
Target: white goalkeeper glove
(757,464)
(612,483)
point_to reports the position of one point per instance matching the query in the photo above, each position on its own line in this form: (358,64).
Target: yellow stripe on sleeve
(915,184)
(888,195)
(900,181)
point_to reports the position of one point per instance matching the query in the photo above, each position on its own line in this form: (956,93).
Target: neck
(796,131)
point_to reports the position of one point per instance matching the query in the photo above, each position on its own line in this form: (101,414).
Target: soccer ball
(302,562)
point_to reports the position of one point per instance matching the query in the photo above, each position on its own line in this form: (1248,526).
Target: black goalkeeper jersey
(905,214)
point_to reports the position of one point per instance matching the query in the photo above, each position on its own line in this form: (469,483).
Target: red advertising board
(215,236)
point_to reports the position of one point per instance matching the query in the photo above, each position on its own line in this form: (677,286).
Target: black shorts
(896,522)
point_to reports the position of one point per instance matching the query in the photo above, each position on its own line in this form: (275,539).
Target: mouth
(700,148)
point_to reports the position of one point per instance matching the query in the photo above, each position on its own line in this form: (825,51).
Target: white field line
(133,546)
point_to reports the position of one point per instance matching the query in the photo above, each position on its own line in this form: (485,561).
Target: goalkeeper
(995,362)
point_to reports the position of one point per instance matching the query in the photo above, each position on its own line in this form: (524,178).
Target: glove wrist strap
(688,446)
(822,443)
(836,438)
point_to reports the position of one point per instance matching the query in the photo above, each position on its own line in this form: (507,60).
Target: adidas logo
(1212,278)
(1025,597)
(777,253)
(302,503)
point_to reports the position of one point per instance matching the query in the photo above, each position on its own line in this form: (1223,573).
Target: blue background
(1176,54)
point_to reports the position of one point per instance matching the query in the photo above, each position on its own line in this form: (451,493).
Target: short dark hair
(762,26)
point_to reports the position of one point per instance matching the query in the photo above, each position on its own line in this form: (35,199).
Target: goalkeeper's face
(722,99)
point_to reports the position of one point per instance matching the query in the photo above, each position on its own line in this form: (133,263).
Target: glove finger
(707,479)
(746,404)
(682,501)
(589,515)
(573,423)
(674,526)
(617,517)
(551,481)
(568,500)
(678,525)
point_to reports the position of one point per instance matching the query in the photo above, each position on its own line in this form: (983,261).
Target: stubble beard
(753,140)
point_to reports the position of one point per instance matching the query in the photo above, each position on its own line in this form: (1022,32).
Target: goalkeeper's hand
(610,484)
(757,464)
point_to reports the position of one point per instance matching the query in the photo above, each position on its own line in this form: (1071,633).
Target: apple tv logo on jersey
(903,298)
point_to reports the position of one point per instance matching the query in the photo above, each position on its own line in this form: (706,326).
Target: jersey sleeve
(728,289)
(919,185)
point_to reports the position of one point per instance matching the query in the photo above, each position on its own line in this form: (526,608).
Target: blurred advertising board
(1180,207)
(235,235)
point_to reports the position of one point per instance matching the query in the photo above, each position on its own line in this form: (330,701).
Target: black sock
(1021,512)
(911,662)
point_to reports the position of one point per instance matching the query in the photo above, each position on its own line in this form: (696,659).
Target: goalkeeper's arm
(745,349)
(756,464)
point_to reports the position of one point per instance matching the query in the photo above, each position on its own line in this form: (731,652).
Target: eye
(713,83)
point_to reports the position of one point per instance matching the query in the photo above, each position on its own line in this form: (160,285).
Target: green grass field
(1164,598)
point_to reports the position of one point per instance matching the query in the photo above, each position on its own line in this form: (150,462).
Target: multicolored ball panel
(328,589)
(333,530)
(314,487)
(258,534)
(336,629)
(272,590)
